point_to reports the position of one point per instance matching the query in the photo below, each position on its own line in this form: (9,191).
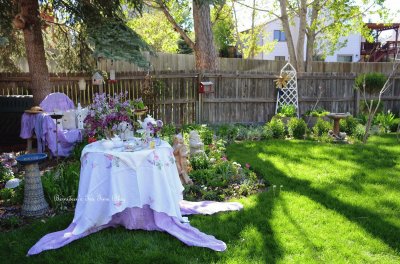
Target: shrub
(77,151)
(5,173)
(297,128)
(13,196)
(206,135)
(364,108)
(267,132)
(318,112)
(359,132)
(386,121)
(199,162)
(277,127)
(227,132)
(321,127)
(62,182)
(168,131)
(255,133)
(242,133)
(348,125)
(374,82)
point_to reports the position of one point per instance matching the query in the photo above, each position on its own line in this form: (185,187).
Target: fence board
(238,96)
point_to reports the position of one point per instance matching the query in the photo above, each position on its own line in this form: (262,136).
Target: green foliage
(222,180)
(374,82)
(156,30)
(223,28)
(5,173)
(205,132)
(114,40)
(67,43)
(60,185)
(386,121)
(364,107)
(297,128)
(11,222)
(168,132)
(287,110)
(318,112)
(77,150)
(348,125)
(267,132)
(277,127)
(359,132)
(199,162)
(227,132)
(321,127)
(13,196)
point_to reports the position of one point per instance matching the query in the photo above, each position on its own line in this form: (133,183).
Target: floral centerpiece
(151,127)
(106,113)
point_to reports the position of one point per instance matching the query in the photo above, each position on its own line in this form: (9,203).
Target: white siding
(352,48)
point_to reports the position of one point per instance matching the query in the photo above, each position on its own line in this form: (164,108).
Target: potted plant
(286,111)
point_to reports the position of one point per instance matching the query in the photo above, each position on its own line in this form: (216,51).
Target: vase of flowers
(106,113)
(151,128)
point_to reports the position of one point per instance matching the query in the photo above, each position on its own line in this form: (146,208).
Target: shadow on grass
(369,156)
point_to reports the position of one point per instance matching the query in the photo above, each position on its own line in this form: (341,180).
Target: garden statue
(196,146)
(181,155)
(125,130)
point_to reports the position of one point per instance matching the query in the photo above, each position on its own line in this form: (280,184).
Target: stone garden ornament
(287,85)
(181,157)
(195,144)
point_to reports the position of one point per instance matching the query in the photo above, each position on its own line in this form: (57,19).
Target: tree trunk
(206,56)
(253,39)
(311,35)
(309,51)
(286,27)
(302,35)
(40,80)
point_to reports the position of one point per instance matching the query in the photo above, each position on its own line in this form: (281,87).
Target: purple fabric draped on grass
(148,219)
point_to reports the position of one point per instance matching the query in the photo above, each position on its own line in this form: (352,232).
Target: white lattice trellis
(288,94)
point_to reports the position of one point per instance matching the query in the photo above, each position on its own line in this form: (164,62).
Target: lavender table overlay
(137,190)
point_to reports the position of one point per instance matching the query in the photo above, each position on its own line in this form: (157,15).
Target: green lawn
(331,204)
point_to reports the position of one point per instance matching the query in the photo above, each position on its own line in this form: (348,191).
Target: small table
(336,121)
(138,190)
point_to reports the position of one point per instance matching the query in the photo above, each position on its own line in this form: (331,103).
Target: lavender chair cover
(148,203)
(44,127)
(57,101)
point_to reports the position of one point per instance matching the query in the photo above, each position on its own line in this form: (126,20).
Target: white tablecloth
(113,180)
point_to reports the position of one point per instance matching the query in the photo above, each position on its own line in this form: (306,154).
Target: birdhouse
(206,87)
(97,79)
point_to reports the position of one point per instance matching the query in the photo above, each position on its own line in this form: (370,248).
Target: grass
(330,204)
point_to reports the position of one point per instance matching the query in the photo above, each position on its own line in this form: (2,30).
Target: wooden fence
(238,97)
(183,62)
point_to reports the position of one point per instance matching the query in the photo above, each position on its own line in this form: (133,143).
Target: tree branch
(175,25)
(258,9)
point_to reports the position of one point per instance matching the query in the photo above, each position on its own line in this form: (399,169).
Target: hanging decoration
(112,73)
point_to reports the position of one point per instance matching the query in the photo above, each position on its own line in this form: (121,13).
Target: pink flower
(247,165)
(224,158)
